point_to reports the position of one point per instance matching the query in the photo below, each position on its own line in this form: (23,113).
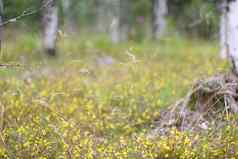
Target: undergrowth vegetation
(97,100)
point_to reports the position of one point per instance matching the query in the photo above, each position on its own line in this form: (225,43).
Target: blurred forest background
(197,18)
(119,65)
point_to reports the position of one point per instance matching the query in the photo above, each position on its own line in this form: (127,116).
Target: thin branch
(25,13)
(10,65)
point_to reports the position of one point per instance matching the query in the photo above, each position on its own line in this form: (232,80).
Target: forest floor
(99,100)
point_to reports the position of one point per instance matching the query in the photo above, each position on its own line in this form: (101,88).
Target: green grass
(77,106)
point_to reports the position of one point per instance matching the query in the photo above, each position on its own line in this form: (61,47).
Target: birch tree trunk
(223,30)
(160,11)
(232,32)
(1,21)
(115,24)
(120,26)
(223,48)
(50,26)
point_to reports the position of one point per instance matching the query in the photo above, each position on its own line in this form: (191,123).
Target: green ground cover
(98,100)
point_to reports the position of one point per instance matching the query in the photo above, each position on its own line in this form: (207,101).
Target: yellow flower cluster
(80,109)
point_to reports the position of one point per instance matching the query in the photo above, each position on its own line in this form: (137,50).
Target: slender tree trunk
(232,32)
(223,51)
(223,30)
(160,11)
(120,26)
(115,24)
(68,17)
(50,26)
(1,21)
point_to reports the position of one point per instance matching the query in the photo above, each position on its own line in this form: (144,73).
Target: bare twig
(25,13)
(10,65)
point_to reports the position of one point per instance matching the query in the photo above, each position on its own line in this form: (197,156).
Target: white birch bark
(115,30)
(115,24)
(232,33)
(50,26)
(223,46)
(160,11)
(223,30)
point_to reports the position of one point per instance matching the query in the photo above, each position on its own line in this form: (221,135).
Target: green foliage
(13,8)
(196,17)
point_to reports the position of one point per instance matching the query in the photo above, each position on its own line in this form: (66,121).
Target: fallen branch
(210,102)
